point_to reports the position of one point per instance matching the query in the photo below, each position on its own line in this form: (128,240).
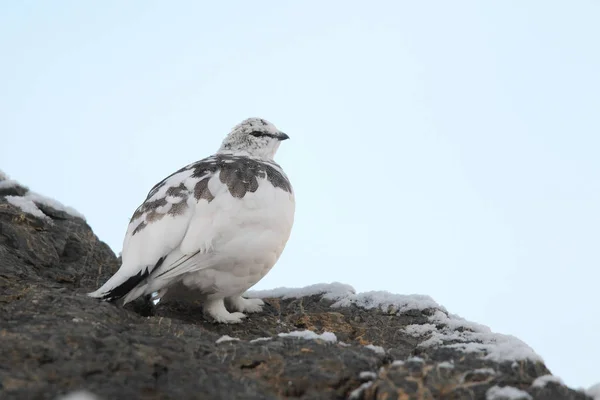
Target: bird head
(254,137)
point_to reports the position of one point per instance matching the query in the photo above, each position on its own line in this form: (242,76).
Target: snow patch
(446,364)
(8,183)
(332,291)
(483,371)
(454,322)
(417,330)
(260,339)
(367,376)
(46,201)
(310,335)
(357,393)
(496,347)
(78,395)
(388,302)
(454,331)
(26,205)
(397,363)
(30,201)
(416,360)
(594,391)
(506,393)
(471,337)
(345,296)
(226,338)
(376,349)
(541,381)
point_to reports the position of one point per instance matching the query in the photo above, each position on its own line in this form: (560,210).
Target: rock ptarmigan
(212,229)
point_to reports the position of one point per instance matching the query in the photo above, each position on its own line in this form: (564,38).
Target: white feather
(231,232)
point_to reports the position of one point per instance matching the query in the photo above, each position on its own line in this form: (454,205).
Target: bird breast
(250,234)
(258,223)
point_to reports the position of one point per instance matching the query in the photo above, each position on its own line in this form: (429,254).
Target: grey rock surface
(55,340)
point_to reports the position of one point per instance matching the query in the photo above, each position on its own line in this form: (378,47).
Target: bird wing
(159,226)
(229,209)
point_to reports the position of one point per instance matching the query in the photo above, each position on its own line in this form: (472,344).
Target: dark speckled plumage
(240,174)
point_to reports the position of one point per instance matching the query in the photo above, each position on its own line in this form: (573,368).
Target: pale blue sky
(440,148)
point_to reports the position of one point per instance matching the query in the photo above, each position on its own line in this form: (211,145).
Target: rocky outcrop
(321,342)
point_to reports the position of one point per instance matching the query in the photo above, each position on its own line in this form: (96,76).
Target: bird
(212,229)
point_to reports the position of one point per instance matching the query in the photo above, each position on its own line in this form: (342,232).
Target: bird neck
(254,154)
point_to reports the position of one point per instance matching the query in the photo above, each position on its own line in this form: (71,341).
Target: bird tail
(130,287)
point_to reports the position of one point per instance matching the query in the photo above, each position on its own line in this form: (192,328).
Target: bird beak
(282,136)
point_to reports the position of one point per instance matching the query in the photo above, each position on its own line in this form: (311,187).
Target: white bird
(211,230)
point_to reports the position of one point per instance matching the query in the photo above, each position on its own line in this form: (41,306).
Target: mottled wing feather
(156,228)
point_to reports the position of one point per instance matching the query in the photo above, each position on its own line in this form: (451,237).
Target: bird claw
(230,318)
(241,304)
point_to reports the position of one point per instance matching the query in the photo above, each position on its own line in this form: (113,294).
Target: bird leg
(238,303)
(216,310)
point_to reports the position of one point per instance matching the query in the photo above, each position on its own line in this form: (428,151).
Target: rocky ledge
(320,342)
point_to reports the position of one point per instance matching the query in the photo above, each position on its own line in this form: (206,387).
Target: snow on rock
(484,371)
(226,338)
(260,339)
(30,201)
(446,364)
(310,335)
(79,395)
(332,291)
(388,302)
(345,296)
(367,376)
(26,205)
(443,328)
(506,393)
(495,346)
(458,333)
(46,201)
(594,391)
(376,349)
(541,381)
(7,183)
(357,393)
(455,322)
(419,330)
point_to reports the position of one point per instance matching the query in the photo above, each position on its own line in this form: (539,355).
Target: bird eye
(259,134)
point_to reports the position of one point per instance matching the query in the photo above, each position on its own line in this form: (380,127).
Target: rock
(55,341)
